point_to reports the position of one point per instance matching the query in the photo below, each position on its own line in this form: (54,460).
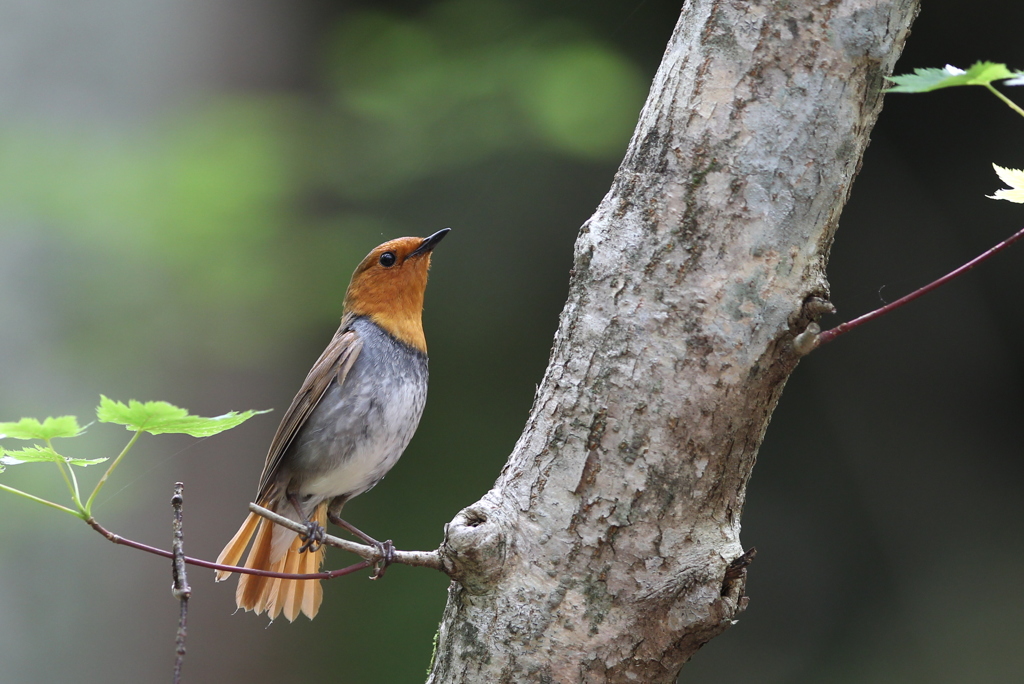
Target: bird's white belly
(360,458)
(356,474)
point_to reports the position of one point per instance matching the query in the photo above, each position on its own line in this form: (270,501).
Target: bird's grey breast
(361,426)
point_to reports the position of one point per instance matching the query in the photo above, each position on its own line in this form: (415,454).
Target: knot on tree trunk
(475,546)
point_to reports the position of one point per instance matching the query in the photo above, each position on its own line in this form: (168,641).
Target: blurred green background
(185,188)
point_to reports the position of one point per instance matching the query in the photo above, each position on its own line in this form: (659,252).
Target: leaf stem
(103,480)
(1010,103)
(51,504)
(62,467)
(65,470)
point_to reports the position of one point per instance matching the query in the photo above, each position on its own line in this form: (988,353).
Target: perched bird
(351,420)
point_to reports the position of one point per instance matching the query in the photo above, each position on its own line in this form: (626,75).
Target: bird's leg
(313,537)
(385,550)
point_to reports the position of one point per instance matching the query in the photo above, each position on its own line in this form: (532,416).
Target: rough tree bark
(601,553)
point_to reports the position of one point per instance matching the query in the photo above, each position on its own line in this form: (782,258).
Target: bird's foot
(385,556)
(313,537)
(385,550)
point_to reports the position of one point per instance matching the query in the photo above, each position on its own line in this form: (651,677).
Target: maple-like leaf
(1015,179)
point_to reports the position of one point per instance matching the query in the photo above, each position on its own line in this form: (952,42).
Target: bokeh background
(185,187)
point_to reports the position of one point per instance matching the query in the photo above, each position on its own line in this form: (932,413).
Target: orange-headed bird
(351,420)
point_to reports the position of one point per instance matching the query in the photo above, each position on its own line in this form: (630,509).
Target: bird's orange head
(388,287)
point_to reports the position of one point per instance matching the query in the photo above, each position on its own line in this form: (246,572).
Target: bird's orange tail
(272,594)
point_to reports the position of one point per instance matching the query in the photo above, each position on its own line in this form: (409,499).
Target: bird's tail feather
(275,595)
(232,553)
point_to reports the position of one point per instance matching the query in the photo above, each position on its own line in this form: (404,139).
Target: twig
(422,559)
(180,589)
(118,539)
(426,559)
(835,332)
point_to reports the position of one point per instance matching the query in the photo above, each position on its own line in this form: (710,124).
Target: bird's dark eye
(387,259)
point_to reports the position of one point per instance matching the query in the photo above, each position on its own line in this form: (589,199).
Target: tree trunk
(602,553)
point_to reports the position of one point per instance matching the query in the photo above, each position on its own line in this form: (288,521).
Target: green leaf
(42,454)
(925,80)
(159,417)
(51,428)
(83,462)
(32,454)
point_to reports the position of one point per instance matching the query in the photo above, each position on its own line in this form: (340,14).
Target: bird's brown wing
(335,362)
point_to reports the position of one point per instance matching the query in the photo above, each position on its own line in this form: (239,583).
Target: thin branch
(422,559)
(180,588)
(835,332)
(426,559)
(118,539)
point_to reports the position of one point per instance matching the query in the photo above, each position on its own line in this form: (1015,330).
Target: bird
(352,418)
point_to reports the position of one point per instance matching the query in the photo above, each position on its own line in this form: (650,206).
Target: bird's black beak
(429,243)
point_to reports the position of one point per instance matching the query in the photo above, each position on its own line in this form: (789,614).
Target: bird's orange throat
(393,299)
(404,330)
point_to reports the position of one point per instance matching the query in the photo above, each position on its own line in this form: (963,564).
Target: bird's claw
(313,537)
(385,556)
